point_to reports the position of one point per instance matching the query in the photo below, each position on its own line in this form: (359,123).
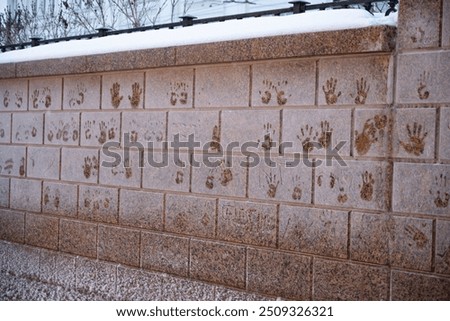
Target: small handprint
(308,137)
(35,99)
(366,191)
(179,177)
(330,91)
(6,99)
(78,95)
(362,91)
(272,183)
(297,193)
(214,145)
(116,99)
(416,144)
(421,89)
(47,97)
(366,138)
(209,182)
(281,99)
(325,135)
(135,98)
(442,197)
(176,95)
(90,166)
(226,176)
(416,235)
(103,132)
(19,99)
(266,96)
(267,143)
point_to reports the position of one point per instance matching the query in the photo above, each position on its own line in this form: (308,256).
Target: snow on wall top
(311,21)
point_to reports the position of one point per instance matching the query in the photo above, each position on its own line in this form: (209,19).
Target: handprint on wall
(416,139)
(331,96)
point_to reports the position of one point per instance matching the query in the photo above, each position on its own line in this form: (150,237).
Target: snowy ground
(311,21)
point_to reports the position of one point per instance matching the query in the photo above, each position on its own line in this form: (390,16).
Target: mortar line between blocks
(194,79)
(316,92)
(250,85)
(437,141)
(433,246)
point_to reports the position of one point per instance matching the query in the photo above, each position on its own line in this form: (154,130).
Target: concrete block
(421,77)
(141,209)
(407,286)
(222,176)
(98,204)
(203,125)
(218,263)
(412,243)
(222,86)
(144,127)
(421,188)
(43,162)
(280,178)
(347,281)
(190,215)
(4,192)
(5,128)
(372,133)
(12,160)
(370,237)
(164,253)
(118,245)
(165,171)
(79,165)
(419,26)
(26,195)
(28,128)
(98,128)
(169,88)
(60,199)
(79,238)
(313,131)
(123,90)
(41,231)
(126,173)
(355,184)
(355,80)
(316,231)
(246,222)
(62,129)
(287,83)
(45,94)
(12,226)
(261,127)
(82,92)
(414,133)
(442,258)
(293,274)
(444,134)
(14,95)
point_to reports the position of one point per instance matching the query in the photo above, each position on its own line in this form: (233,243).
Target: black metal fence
(186,21)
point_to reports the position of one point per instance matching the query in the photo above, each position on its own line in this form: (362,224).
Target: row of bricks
(405,133)
(406,242)
(300,277)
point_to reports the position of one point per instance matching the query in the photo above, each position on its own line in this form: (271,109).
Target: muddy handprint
(135,98)
(331,96)
(366,191)
(116,98)
(421,89)
(362,90)
(416,143)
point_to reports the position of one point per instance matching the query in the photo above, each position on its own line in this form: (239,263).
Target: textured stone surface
(144,127)
(81,92)
(62,129)
(444,137)
(356,184)
(290,83)
(8,70)
(355,81)
(12,226)
(79,165)
(4,192)
(442,246)
(13,94)
(169,254)
(28,128)
(369,237)
(141,209)
(118,245)
(313,131)
(96,277)
(219,263)
(12,160)
(421,77)
(414,133)
(138,285)
(79,238)
(125,173)
(98,128)
(316,231)
(169,88)
(57,268)
(190,215)
(60,199)
(224,294)
(26,195)
(43,162)
(222,86)
(419,27)
(279,274)
(5,128)
(280,178)
(98,204)
(177,289)
(247,222)
(445,40)
(45,94)
(334,281)
(23,261)
(427,183)
(123,90)
(418,287)
(262,128)
(41,231)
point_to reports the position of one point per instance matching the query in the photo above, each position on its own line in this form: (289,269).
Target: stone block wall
(355,208)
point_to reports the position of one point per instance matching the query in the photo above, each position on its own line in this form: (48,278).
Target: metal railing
(186,21)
